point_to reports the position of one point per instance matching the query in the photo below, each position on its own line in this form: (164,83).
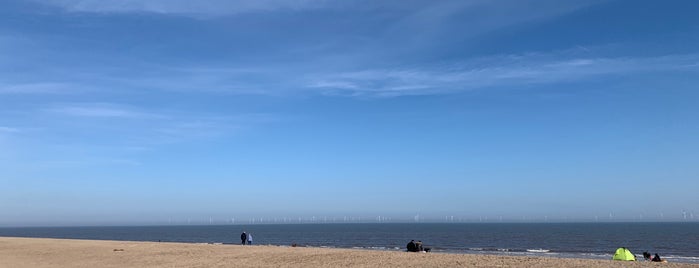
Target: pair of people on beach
(246,237)
(655,258)
(416,246)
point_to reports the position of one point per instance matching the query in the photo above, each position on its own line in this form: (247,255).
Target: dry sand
(40,252)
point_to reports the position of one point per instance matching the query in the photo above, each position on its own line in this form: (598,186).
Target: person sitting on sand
(656,258)
(646,255)
(411,246)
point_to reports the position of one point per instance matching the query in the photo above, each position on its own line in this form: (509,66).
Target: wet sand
(41,252)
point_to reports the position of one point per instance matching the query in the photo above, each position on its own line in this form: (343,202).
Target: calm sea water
(677,242)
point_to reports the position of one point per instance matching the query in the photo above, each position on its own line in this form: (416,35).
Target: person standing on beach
(249,239)
(243,237)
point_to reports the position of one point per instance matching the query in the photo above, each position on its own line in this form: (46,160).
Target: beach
(43,252)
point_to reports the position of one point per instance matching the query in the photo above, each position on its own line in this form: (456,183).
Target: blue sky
(147,111)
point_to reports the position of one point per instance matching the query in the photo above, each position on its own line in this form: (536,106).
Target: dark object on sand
(411,246)
(416,247)
(646,255)
(656,258)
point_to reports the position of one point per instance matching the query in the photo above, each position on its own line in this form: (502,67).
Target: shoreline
(51,252)
(499,253)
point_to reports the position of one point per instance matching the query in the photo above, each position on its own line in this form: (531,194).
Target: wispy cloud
(40,88)
(188,127)
(99,110)
(144,128)
(519,70)
(85,162)
(425,14)
(223,80)
(210,7)
(436,19)
(8,129)
(76,135)
(508,70)
(387,29)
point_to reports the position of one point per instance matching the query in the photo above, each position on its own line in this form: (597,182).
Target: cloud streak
(422,14)
(143,128)
(40,88)
(440,78)
(72,135)
(99,110)
(8,130)
(387,30)
(203,7)
(492,72)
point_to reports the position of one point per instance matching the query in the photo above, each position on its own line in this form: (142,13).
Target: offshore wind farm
(682,216)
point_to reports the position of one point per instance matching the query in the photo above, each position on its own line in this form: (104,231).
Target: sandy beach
(40,252)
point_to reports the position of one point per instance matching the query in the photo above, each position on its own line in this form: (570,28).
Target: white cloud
(507,70)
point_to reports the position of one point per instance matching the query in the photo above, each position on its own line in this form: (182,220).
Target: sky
(154,111)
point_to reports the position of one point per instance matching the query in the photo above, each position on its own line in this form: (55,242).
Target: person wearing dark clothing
(411,246)
(243,238)
(646,255)
(656,258)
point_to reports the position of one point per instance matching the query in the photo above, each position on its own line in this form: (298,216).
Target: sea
(675,242)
